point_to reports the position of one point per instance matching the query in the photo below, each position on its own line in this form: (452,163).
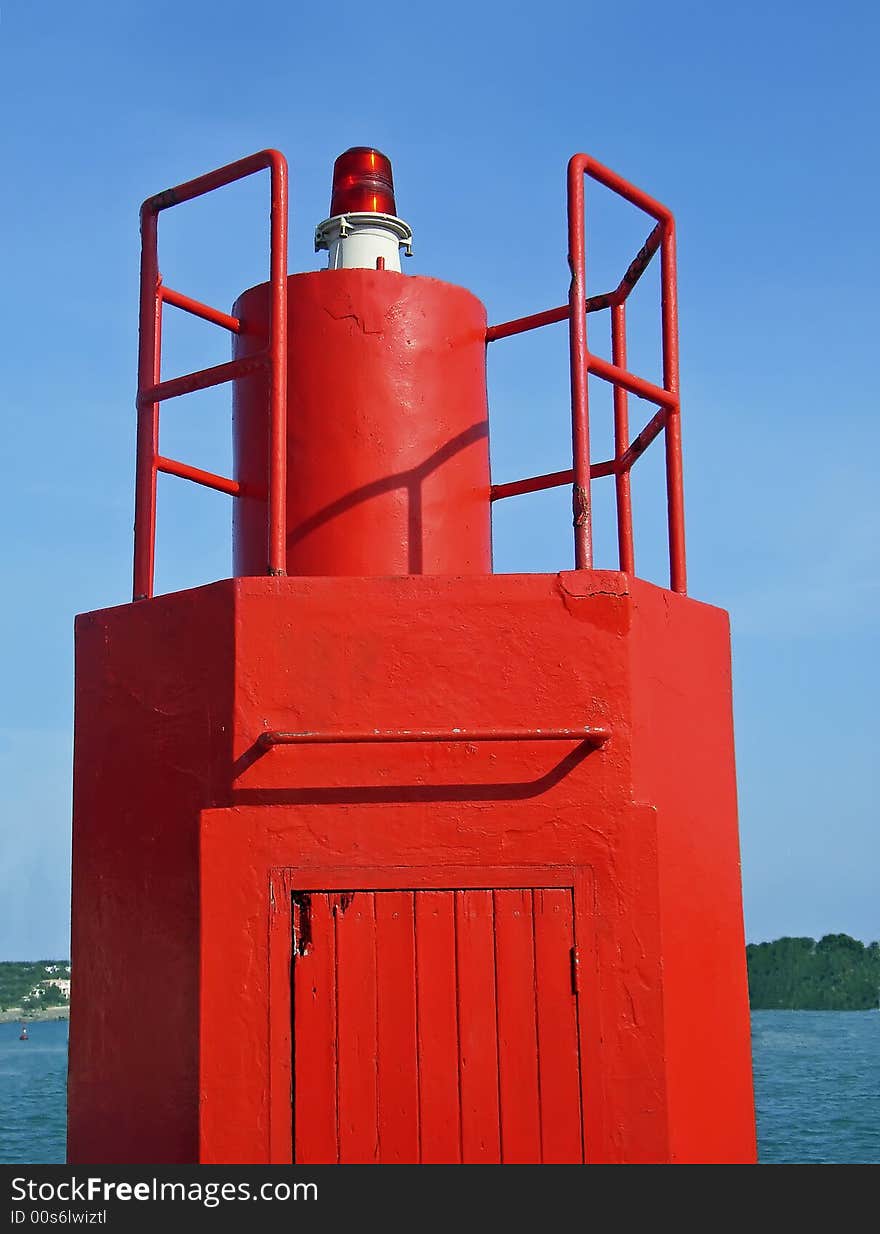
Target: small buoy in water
(23,1035)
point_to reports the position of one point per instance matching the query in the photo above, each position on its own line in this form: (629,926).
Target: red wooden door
(436,1026)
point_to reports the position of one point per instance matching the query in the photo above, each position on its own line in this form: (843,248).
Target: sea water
(817,1085)
(33,1093)
(817,1088)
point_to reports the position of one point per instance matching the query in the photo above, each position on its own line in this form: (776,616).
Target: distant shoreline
(834,973)
(18,1015)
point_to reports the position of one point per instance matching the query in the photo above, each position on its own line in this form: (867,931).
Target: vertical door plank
(356,1018)
(397,1045)
(437,1027)
(558,1048)
(517,1029)
(478,1032)
(314,1040)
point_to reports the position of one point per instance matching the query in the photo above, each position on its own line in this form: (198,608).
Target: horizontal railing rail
(595,735)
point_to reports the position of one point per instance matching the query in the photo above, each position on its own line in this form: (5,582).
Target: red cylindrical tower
(388,459)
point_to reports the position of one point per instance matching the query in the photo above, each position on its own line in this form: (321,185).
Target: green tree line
(837,973)
(21,984)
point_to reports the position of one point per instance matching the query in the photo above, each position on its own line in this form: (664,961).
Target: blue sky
(756,123)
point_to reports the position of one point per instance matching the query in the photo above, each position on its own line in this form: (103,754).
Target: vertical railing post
(625,550)
(277,529)
(577,336)
(674,482)
(149,366)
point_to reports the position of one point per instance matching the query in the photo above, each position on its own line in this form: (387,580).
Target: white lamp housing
(357,241)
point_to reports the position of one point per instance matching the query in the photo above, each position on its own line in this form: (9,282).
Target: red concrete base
(520,950)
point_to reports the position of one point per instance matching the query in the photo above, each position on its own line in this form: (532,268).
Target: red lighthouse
(378,856)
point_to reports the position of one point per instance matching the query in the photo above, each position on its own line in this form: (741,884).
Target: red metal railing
(152,390)
(667,419)
(595,735)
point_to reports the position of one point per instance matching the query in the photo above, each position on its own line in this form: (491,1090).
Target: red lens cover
(362,182)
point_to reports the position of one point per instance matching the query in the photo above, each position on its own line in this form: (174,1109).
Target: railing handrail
(593,734)
(152,390)
(582,363)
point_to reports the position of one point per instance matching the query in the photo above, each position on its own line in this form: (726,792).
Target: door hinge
(575,971)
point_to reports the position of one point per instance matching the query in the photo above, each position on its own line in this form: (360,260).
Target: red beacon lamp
(363,230)
(379,856)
